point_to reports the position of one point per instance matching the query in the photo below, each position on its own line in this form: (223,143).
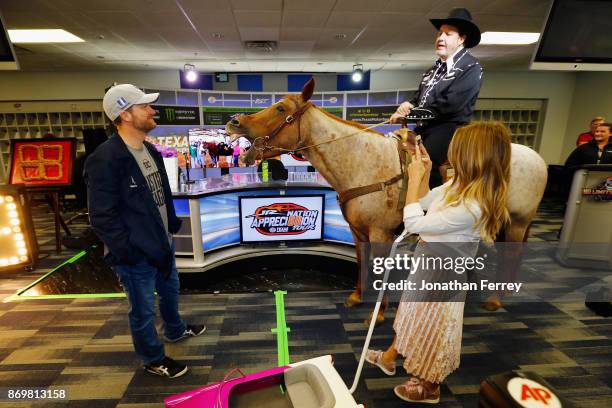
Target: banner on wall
(219,116)
(370,114)
(281,218)
(177,115)
(214,116)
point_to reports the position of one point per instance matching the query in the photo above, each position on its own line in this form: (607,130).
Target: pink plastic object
(217,395)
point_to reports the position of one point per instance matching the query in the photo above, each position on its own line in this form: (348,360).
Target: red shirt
(584,138)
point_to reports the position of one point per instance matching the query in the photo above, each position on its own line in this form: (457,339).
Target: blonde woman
(468,208)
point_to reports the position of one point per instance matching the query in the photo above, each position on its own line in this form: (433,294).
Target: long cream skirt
(428,330)
(429,337)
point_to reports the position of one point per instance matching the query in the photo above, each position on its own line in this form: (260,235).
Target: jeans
(140,281)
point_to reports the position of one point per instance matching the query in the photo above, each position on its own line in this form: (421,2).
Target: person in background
(596,151)
(449,89)
(588,136)
(236,153)
(132,212)
(469,208)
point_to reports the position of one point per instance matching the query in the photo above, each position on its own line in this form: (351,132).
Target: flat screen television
(8,60)
(576,36)
(266,219)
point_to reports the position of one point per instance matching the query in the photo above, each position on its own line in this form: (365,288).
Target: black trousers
(436,138)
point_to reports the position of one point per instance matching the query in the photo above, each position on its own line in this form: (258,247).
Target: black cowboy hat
(462,19)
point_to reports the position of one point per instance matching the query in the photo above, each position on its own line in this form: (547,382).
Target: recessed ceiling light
(340,36)
(357,74)
(43,36)
(190,72)
(217,36)
(509,38)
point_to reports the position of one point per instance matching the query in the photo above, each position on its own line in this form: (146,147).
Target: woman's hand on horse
(425,157)
(417,170)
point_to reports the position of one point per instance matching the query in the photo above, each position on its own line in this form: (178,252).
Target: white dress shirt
(442,223)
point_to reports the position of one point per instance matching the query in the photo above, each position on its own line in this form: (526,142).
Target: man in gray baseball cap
(132,212)
(120,98)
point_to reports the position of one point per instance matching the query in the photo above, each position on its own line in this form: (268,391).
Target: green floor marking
(281,330)
(76,257)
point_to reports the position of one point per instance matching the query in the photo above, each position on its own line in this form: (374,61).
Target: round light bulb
(357,76)
(191,76)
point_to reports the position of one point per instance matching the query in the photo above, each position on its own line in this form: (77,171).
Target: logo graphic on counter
(298,157)
(531,394)
(294,159)
(599,192)
(281,218)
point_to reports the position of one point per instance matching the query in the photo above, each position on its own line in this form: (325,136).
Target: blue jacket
(122,211)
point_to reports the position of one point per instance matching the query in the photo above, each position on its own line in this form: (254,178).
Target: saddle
(403,136)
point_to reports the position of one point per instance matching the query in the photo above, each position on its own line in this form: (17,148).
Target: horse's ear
(308,90)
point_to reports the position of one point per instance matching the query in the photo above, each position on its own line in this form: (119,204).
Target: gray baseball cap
(121,97)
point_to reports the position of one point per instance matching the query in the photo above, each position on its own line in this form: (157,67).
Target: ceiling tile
(534,8)
(213,6)
(344,6)
(184,39)
(257,18)
(163,19)
(341,20)
(412,6)
(260,65)
(211,21)
(116,19)
(268,5)
(235,46)
(300,34)
(310,5)
(303,19)
(259,34)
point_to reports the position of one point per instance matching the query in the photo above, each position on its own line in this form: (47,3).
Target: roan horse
(348,156)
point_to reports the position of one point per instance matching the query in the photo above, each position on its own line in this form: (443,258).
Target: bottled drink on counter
(264,171)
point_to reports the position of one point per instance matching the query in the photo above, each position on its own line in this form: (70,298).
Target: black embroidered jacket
(451,95)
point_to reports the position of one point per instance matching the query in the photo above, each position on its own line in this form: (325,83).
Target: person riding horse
(448,91)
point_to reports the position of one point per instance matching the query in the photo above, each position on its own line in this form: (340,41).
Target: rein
(351,193)
(297,115)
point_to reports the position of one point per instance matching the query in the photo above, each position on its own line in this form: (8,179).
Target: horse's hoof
(380,319)
(354,299)
(492,305)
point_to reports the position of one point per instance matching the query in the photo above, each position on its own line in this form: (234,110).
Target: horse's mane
(348,122)
(336,118)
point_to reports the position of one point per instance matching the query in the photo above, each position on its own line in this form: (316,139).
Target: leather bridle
(289,119)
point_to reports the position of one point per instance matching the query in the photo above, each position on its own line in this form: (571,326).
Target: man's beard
(145,126)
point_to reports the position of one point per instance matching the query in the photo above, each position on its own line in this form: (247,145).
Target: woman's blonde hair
(480,155)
